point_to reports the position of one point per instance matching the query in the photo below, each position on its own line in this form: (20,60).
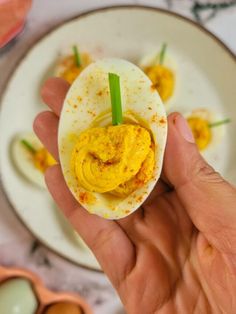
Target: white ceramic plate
(207,76)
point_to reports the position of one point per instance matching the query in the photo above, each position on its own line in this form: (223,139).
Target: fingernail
(46,90)
(184,129)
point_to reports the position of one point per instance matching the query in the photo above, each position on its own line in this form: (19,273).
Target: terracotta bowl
(44,296)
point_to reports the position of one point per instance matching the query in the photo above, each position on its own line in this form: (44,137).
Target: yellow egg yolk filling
(64,308)
(201,131)
(42,159)
(163,80)
(71,69)
(116,159)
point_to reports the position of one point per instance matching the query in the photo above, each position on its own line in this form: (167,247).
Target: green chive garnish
(218,123)
(77,56)
(162,53)
(28,146)
(114,84)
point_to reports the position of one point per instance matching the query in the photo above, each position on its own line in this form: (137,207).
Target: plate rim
(50,31)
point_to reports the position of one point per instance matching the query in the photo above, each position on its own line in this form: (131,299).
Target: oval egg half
(88,105)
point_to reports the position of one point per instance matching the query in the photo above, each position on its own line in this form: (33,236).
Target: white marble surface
(15,240)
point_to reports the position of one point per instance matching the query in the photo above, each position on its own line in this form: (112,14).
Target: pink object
(12,18)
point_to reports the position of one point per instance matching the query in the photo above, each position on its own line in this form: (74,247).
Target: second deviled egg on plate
(160,67)
(31,158)
(70,65)
(207,128)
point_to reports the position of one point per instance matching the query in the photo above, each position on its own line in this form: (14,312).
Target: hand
(176,254)
(12,18)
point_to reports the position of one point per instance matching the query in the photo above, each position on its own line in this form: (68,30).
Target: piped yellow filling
(42,160)
(201,131)
(163,80)
(71,70)
(116,159)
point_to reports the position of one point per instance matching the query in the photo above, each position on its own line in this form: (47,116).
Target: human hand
(177,253)
(12,18)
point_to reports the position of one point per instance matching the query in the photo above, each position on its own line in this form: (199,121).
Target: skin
(176,254)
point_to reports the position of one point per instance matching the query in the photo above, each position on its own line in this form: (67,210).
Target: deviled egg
(112,136)
(161,70)
(31,158)
(206,126)
(70,66)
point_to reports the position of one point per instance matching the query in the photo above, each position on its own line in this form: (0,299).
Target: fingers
(208,199)
(46,123)
(46,128)
(131,224)
(109,243)
(102,236)
(59,190)
(160,188)
(53,93)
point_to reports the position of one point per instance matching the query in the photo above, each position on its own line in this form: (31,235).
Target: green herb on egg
(218,123)
(77,56)
(114,84)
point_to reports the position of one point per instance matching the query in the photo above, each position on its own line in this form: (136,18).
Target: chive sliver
(77,56)
(162,53)
(28,146)
(114,84)
(218,123)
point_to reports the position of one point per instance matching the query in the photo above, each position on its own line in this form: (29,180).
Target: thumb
(209,200)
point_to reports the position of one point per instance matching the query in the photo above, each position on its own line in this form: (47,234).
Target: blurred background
(22,24)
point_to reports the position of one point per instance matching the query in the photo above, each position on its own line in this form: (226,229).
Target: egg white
(84,104)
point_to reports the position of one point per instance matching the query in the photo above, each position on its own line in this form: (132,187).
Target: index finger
(54,92)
